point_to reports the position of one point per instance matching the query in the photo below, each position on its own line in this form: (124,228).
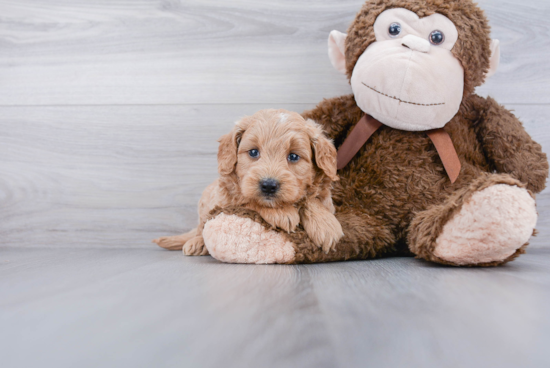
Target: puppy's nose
(269,186)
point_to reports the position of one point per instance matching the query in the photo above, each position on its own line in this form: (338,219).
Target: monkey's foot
(234,239)
(490,228)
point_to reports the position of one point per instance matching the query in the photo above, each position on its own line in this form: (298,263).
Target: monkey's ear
(495,58)
(337,50)
(227,151)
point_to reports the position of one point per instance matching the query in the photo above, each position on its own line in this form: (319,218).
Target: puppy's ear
(325,157)
(227,151)
(324,151)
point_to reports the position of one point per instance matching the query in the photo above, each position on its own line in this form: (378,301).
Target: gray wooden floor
(153,308)
(109,115)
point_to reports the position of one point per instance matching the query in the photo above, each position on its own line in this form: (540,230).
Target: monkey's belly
(395,175)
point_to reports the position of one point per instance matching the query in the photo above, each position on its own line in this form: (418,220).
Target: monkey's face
(409,79)
(412,73)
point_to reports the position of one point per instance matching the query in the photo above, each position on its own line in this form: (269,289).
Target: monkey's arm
(510,148)
(336,115)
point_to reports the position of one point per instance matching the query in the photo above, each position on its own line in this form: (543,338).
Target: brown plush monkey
(434,170)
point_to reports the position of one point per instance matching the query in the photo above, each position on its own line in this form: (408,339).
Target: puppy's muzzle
(269,186)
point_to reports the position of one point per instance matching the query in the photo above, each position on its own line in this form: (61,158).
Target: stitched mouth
(400,100)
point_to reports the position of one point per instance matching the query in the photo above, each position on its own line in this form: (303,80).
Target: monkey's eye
(437,38)
(293,157)
(395,29)
(254,153)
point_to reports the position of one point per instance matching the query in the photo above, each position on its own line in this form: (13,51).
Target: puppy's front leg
(286,218)
(321,226)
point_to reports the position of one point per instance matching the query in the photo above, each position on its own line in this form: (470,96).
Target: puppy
(279,165)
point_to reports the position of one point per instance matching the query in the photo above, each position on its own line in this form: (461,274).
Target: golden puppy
(279,165)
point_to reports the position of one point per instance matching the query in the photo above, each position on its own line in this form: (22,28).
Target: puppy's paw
(195,247)
(175,242)
(284,218)
(321,226)
(325,231)
(170,242)
(290,221)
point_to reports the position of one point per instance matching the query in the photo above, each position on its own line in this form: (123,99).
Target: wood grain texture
(108,176)
(234,51)
(118,176)
(109,115)
(154,308)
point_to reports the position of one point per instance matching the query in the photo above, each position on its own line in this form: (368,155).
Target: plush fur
(262,246)
(302,191)
(395,197)
(489,226)
(473,48)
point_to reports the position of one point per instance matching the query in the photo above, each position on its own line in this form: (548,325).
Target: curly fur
(472,48)
(303,187)
(394,196)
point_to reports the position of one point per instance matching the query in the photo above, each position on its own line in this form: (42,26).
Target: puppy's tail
(175,242)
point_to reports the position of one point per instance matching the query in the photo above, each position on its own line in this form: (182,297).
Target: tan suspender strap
(360,134)
(444,146)
(366,127)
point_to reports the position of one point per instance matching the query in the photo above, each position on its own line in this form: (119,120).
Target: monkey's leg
(365,237)
(238,235)
(487,223)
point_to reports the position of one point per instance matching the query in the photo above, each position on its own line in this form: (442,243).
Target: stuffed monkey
(427,167)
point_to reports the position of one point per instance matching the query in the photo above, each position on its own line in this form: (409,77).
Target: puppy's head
(276,156)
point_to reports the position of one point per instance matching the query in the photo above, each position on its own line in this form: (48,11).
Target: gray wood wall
(110,109)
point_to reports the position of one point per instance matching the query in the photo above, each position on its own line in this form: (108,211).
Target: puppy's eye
(293,157)
(254,153)
(395,29)
(437,38)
